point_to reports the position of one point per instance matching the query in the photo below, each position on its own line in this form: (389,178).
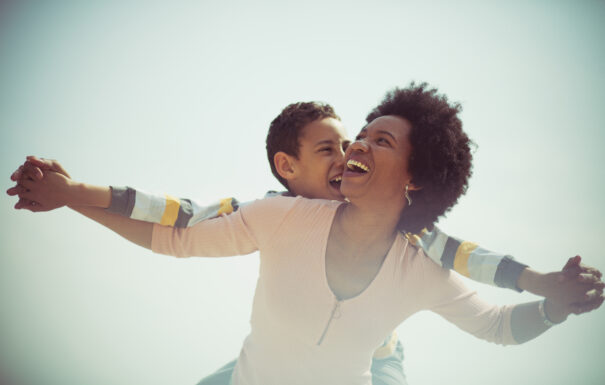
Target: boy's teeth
(336,179)
(352,164)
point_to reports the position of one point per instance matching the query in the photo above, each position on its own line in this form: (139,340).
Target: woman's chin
(349,190)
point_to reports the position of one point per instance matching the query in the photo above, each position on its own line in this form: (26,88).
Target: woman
(330,270)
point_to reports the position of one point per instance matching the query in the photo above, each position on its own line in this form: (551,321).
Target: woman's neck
(366,225)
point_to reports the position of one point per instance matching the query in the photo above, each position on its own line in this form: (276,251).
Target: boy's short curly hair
(440,162)
(285,129)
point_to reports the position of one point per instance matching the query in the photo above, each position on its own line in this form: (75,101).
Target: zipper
(334,310)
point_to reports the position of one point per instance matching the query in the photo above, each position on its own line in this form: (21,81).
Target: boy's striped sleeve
(469,259)
(165,209)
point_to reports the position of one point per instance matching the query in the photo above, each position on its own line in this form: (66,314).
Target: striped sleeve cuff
(122,200)
(508,273)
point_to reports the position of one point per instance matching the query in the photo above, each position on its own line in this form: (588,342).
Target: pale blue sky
(177,98)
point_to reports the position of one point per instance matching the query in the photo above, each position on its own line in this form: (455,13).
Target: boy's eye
(325,149)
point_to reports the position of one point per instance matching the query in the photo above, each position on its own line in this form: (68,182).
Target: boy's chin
(336,194)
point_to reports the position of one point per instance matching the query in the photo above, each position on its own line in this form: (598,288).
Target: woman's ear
(285,165)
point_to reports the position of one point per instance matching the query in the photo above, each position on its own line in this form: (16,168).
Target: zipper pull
(334,314)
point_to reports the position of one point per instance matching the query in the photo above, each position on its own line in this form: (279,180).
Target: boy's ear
(285,165)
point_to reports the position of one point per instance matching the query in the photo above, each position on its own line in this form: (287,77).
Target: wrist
(554,313)
(74,193)
(83,194)
(533,282)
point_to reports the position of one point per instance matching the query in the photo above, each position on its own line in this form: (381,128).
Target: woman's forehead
(395,125)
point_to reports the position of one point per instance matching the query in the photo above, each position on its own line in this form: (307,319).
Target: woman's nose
(358,145)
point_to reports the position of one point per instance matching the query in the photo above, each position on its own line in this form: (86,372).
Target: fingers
(588,279)
(571,272)
(587,306)
(39,162)
(15,190)
(592,295)
(21,203)
(32,171)
(29,204)
(47,164)
(27,169)
(32,206)
(27,184)
(27,196)
(15,176)
(572,267)
(24,203)
(591,270)
(573,261)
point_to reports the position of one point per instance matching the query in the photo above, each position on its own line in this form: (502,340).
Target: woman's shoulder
(417,259)
(284,204)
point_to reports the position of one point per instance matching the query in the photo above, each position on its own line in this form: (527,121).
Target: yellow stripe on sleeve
(171,212)
(226,207)
(461,259)
(414,239)
(387,348)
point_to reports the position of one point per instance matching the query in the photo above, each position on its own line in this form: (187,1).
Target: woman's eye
(382,140)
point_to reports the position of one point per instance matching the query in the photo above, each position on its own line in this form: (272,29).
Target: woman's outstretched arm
(448,296)
(49,190)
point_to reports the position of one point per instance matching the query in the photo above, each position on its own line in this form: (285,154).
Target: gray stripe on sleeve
(449,253)
(508,273)
(185,213)
(235,204)
(122,200)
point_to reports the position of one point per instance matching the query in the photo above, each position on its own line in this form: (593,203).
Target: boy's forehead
(327,129)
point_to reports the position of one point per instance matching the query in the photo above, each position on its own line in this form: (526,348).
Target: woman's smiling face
(376,164)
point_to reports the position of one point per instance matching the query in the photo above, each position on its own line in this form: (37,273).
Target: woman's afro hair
(440,162)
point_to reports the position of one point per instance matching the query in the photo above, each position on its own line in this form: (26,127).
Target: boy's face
(320,160)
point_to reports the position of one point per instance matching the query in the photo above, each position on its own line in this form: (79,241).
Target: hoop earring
(407,195)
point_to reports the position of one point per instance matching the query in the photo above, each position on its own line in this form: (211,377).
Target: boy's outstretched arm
(53,188)
(570,286)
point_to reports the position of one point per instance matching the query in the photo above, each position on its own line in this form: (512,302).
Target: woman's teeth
(357,166)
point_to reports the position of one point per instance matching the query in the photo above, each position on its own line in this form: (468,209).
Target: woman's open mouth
(357,167)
